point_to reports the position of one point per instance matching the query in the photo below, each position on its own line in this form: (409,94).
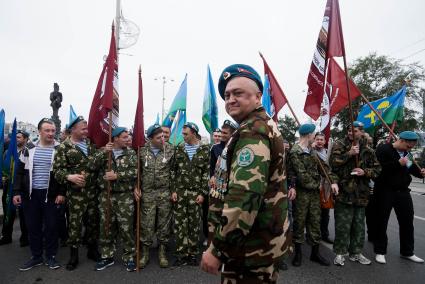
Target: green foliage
(379,76)
(288,127)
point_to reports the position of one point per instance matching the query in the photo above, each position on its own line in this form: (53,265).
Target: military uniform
(70,159)
(353,195)
(121,203)
(156,192)
(248,208)
(190,180)
(305,169)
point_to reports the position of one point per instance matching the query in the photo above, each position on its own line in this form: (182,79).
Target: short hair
(319,134)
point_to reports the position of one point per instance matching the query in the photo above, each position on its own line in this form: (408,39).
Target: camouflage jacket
(69,159)
(125,166)
(155,171)
(191,175)
(353,189)
(304,168)
(249,211)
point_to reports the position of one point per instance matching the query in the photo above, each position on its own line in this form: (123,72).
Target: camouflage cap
(238,70)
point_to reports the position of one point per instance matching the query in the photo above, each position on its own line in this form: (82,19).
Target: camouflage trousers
(306,214)
(154,205)
(78,204)
(187,224)
(349,228)
(235,273)
(120,224)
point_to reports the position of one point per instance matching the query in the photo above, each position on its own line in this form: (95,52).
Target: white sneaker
(380,258)
(413,258)
(339,260)
(360,259)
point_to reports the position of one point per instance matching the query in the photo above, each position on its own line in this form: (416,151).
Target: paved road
(396,270)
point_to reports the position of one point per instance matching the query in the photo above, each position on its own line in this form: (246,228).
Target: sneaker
(180,261)
(380,258)
(339,260)
(33,262)
(131,266)
(413,258)
(360,259)
(104,263)
(52,263)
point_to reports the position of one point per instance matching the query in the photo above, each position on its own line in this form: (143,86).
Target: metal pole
(423,109)
(117,24)
(163,98)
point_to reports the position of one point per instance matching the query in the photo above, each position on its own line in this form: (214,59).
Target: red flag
(330,43)
(277,95)
(139,129)
(105,99)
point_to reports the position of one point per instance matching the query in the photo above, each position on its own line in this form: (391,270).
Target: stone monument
(56,103)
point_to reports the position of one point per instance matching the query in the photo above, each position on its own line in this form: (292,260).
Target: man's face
(407,145)
(130,141)
(157,140)
(216,137)
(21,140)
(166,133)
(226,133)
(357,134)
(188,135)
(241,97)
(121,140)
(80,130)
(319,141)
(47,133)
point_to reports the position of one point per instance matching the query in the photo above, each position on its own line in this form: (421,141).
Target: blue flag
(176,133)
(72,114)
(2,122)
(210,109)
(266,99)
(10,166)
(390,108)
(157,118)
(179,103)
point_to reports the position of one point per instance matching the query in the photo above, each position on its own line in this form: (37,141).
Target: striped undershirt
(191,150)
(42,166)
(155,150)
(83,147)
(117,153)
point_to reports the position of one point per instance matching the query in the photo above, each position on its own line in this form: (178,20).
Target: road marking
(420,218)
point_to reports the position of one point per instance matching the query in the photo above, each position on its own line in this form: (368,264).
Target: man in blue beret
(248,204)
(392,191)
(304,169)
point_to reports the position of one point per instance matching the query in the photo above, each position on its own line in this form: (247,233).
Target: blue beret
(118,130)
(75,121)
(152,129)
(238,70)
(358,124)
(192,126)
(409,135)
(307,128)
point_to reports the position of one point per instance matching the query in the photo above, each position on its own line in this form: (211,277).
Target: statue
(56,103)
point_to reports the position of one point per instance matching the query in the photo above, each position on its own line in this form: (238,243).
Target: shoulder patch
(245,157)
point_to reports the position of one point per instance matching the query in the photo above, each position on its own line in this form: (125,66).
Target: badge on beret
(245,157)
(226,75)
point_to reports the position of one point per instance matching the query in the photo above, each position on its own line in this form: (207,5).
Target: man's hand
(335,188)
(403,161)
(108,147)
(423,172)
(292,194)
(210,263)
(137,194)
(110,176)
(17,200)
(359,172)
(199,199)
(60,199)
(212,182)
(174,197)
(354,150)
(77,179)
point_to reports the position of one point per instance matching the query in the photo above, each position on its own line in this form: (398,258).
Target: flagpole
(108,207)
(118,24)
(138,213)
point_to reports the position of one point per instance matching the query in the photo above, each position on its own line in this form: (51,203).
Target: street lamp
(164,81)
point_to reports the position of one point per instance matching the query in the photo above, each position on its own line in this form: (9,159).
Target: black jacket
(394,177)
(216,151)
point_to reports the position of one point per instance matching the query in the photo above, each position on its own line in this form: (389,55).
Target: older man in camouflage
(117,207)
(70,169)
(155,172)
(355,164)
(307,172)
(249,202)
(190,175)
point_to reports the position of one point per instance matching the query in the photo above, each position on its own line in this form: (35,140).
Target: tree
(379,76)
(288,127)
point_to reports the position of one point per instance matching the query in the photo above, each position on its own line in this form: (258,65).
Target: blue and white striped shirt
(41,168)
(83,147)
(191,150)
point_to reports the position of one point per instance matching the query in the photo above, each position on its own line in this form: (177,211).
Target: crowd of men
(247,192)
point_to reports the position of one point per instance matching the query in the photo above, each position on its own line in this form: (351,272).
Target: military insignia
(226,75)
(245,157)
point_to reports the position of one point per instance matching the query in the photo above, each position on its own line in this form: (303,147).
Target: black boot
(316,257)
(298,255)
(73,261)
(92,252)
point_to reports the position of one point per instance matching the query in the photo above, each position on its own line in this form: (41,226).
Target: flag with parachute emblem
(210,109)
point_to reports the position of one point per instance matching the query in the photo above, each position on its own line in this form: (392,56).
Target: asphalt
(396,270)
